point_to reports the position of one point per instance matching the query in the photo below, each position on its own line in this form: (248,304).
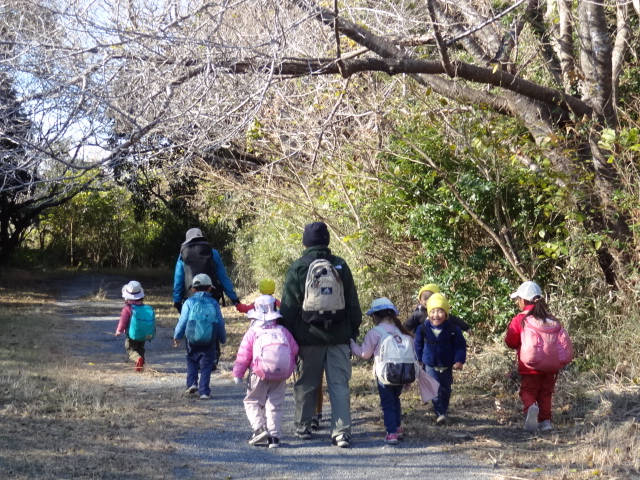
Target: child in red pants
(538,369)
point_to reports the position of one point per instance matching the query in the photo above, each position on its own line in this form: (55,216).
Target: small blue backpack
(142,326)
(202,323)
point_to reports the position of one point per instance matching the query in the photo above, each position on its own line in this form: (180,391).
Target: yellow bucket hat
(267,286)
(437,300)
(431,287)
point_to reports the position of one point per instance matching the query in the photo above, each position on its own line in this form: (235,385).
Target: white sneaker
(204,397)
(191,389)
(441,420)
(545,426)
(531,422)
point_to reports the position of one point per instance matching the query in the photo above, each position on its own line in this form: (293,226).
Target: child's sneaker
(274,442)
(441,420)
(531,422)
(545,426)
(139,364)
(204,396)
(391,439)
(400,433)
(192,389)
(258,435)
(304,433)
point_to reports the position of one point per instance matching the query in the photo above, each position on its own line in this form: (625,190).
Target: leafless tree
(189,77)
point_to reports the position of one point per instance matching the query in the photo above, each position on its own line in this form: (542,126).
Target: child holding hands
(385,317)
(441,348)
(269,350)
(266,286)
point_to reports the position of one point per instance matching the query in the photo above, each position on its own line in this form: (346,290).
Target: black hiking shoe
(342,440)
(315,422)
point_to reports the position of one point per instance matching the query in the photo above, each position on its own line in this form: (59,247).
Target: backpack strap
(383,333)
(308,258)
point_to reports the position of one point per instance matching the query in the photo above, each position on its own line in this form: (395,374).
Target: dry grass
(65,418)
(62,418)
(597,434)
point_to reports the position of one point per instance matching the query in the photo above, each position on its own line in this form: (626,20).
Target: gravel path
(222,441)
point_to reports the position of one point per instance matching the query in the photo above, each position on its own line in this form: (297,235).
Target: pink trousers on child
(538,388)
(263,404)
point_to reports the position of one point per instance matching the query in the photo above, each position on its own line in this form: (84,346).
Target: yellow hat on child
(437,300)
(267,286)
(431,287)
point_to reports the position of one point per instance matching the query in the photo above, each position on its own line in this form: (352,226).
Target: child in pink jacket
(385,316)
(269,350)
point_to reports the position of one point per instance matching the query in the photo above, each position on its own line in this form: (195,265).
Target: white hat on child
(264,309)
(528,291)
(132,291)
(201,280)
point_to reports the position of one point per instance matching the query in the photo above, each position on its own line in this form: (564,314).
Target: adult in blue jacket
(440,348)
(197,256)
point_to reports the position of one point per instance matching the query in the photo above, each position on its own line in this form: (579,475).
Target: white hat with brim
(380,304)
(266,317)
(132,291)
(192,234)
(528,291)
(264,309)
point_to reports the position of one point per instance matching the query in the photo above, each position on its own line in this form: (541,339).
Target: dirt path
(219,445)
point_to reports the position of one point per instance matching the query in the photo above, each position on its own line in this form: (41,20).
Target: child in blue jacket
(440,348)
(201,354)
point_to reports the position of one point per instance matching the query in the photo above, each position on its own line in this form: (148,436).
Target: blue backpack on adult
(202,322)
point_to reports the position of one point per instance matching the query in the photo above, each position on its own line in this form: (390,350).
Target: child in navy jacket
(440,348)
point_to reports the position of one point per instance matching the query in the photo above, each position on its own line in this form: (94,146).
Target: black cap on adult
(315,233)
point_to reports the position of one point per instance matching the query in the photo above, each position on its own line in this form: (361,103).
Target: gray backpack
(323,294)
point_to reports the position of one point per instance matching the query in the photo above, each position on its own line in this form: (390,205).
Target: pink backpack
(546,346)
(272,359)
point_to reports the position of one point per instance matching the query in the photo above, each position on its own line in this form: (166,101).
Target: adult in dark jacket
(324,346)
(440,348)
(419,315)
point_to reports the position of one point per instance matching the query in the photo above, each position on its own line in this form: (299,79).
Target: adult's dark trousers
(335,361)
